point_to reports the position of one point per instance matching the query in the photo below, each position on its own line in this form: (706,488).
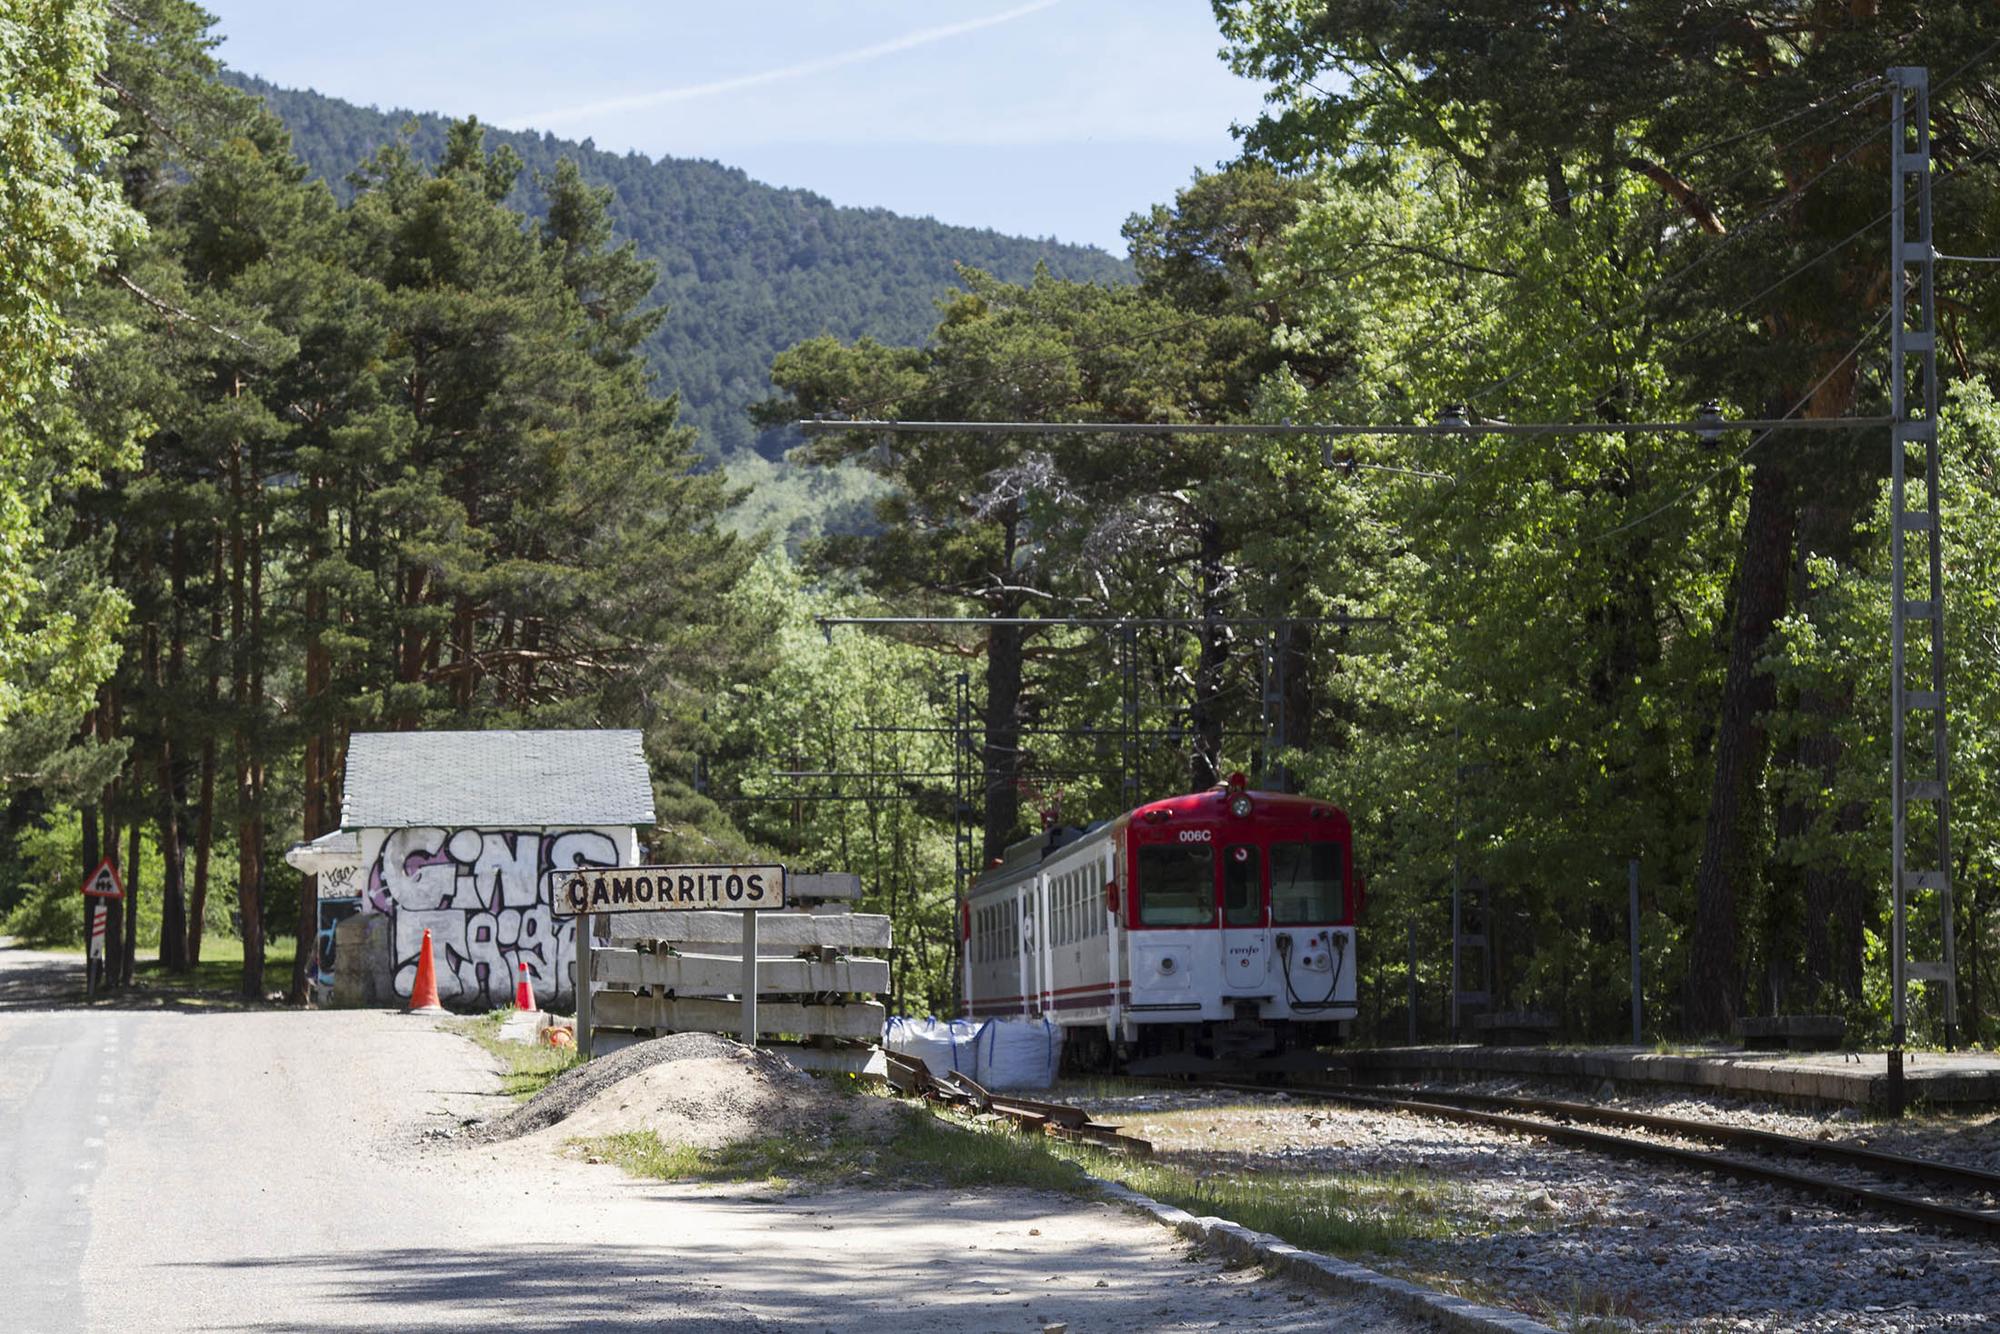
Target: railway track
(1571,1123)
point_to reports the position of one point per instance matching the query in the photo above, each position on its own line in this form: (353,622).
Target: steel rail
(1769,1141)
(1971,1222)
(912,1078)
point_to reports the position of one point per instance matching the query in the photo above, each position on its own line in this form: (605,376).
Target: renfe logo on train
(679,888)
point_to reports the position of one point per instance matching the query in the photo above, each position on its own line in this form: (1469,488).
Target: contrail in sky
(922,37)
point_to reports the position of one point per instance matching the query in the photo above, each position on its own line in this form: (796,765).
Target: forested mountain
(746,269)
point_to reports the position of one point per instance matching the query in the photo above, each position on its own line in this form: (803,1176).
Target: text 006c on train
(1201,931)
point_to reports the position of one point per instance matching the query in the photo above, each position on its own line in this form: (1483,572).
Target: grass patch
(1340,1213)
(221,967)
(219,975)
(925,1151)
(525,1067)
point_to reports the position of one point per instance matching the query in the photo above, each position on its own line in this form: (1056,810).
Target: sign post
(583,984)
(103,884)
(587,891)
(749,979)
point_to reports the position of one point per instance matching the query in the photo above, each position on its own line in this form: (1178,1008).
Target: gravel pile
(1583,1239)
(579,1084)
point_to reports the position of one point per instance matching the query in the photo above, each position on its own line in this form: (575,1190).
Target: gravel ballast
(1575,1235)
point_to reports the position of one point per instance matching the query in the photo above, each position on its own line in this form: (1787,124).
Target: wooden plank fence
(663,972)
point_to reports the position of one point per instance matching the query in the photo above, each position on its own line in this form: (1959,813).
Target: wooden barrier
(674,971)
(622,1009)
(722,975)
(775,930)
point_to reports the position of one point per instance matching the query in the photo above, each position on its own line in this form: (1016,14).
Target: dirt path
(265,1170)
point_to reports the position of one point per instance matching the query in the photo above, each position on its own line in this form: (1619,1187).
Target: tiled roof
(520,780)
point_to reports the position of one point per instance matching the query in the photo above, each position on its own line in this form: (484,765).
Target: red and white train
(1215,929)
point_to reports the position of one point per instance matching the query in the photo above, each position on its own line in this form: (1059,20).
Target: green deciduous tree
(62,218)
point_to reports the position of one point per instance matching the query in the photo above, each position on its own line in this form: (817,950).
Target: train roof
(1215,801)
(1030,851)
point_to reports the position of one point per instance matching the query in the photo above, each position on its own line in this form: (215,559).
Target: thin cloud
(909,41)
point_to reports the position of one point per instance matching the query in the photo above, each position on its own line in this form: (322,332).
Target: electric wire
(1776,209)
(1491,222)
(1479,314)
(1737,462)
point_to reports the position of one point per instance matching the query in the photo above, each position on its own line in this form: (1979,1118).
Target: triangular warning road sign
(104,882)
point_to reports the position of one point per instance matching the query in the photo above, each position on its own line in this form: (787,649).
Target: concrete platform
(1857,1079)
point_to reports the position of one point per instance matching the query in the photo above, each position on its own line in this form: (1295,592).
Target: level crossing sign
(104,883)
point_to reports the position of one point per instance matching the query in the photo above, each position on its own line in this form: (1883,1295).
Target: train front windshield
(1176,884)
(1184,884)
(1307,884)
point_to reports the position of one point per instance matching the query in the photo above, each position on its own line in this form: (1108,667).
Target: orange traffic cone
(424,989)
(524,992)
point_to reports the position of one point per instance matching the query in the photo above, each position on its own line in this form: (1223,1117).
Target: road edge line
(1324,1271)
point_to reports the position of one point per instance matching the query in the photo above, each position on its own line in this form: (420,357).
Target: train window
(1306,883)
(1176,884)
(1242,886)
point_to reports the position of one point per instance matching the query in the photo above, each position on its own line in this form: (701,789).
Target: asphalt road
(226,1169)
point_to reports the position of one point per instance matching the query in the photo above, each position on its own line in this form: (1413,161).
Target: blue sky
(1038,117)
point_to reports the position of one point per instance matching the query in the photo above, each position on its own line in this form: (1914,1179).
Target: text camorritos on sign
(600,889)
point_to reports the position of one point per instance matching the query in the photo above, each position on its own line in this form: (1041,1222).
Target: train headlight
(1239,796)
(1167,964)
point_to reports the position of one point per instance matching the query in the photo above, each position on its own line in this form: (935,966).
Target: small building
(452,832)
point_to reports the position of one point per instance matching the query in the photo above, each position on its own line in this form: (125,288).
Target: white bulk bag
(942,1045)
(1018,1054)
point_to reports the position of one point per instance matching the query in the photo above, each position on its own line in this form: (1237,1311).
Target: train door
(1032,974)
(1245,936)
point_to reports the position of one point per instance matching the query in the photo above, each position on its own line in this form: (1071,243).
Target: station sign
(602,889)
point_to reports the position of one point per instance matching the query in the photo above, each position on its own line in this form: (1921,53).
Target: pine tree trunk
(1204,714)
(1728,860)
(1295,658)
(410,644)
(173,902)
(253,835)
(114,916)
(87,838)
(248,872)
(114,925)
(1005,662)
(204,838)
(465,673)
(1001,757)
(318,675)
(128,962)
(173,896)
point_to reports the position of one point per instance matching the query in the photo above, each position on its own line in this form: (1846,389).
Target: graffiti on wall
(479,892)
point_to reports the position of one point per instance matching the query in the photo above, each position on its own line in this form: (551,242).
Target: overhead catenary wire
(1708,255)
(1492,221)
(1737,462)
